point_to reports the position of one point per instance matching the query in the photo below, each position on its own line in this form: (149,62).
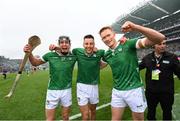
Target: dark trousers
(166,101)
(4,76)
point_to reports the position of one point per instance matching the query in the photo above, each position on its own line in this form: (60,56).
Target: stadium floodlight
(34,41)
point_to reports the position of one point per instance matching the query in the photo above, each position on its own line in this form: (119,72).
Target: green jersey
(88,66)
(60,70)
(124,64)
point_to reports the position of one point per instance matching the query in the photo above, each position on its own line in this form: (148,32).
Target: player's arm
(176,67)
(33,60)
(152,36)
(53,47)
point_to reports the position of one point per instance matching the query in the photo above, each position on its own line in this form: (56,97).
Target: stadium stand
(12,65)
(162,15)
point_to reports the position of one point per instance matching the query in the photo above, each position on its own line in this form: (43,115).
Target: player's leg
(82,98)
(93,101)
(117,105)
(92,111)
(84,109)
(117,113)
(138,116)
(66,102)
(137,102)
(65,113)
(50,114)
(51,104)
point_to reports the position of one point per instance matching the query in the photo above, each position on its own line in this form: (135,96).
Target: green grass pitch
(29,99)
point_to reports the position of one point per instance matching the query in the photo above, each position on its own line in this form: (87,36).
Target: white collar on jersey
(60,54)
(114,47)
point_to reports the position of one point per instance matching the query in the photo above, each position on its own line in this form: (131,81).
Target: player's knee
(85,115)
(138,116)
(92,112)
(50,119)
(65,116)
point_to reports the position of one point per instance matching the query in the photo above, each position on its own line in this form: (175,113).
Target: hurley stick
(34,41)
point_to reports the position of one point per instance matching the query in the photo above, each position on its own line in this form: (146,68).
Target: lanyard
(158,60)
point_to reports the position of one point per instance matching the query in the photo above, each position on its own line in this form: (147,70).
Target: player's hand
(95,49)
(27,48)
(52,47)
(128,26)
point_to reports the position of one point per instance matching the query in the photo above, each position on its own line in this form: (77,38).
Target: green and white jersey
(60,70)
(88,66)
(124,64)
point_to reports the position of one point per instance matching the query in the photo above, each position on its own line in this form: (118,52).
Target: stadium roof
(148,12)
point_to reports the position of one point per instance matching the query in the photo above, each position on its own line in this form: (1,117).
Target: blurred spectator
(4,73)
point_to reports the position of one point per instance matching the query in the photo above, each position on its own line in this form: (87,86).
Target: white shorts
(87,94)
(56,97)
(134,98)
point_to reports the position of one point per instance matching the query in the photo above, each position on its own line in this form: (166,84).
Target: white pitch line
(79,114)
(75,116)
(176,94)
(103,106)
(173,114)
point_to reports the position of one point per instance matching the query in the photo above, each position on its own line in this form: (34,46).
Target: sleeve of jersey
(105,56)
(102,52)
(74,51)
(132,43)
(45,57)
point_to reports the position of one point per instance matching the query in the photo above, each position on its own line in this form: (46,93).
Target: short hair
(65,38)
(88,36)
(104,28)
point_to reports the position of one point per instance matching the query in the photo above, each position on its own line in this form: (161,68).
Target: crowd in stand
(12,65)
(172,23)
(170,27)
(172,46)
